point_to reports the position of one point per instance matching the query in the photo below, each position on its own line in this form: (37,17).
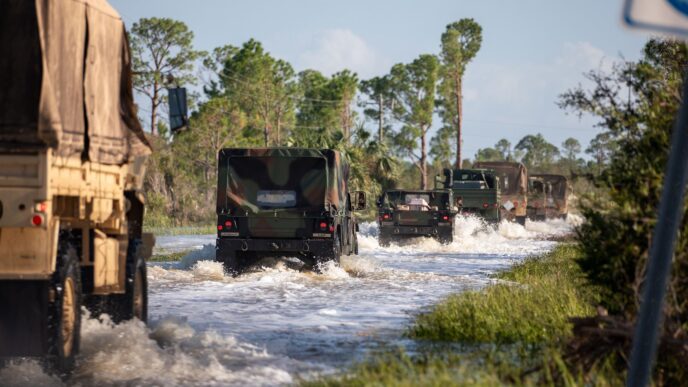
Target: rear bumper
(414,230)
(313,246)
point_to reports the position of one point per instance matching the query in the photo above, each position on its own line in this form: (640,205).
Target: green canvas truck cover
(65,81)
(269,179)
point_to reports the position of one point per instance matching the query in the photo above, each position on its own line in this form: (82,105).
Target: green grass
(511,332)
(171,257)
(181,230)
(534,308)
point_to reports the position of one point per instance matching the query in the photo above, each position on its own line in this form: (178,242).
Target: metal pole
(648,327)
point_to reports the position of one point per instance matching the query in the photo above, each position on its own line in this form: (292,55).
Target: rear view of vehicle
(284,202)
(406,214)
(72,156)
(513,188)
(475,192)
(548,197)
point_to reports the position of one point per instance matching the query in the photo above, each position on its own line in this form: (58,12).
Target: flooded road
(277,324)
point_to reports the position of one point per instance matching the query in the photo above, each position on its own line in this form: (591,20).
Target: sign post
(667,17)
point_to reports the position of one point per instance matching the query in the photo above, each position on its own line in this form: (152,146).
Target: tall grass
(533,307)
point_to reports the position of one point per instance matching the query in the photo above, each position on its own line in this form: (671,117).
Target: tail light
(219,227)
(485,205)
(37,220)
(386,216)
(495,205)
(229,223)
(445,217)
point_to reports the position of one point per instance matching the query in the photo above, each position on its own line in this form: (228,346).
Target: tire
(64,318)
(521,220)
(134,302)
(384,240)
(355,244)
(445,238)
(332,256)
(235,263)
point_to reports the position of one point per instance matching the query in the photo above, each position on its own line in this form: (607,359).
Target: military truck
(72,156)
(284,202)
(476,191)
(548,197)
(513,188)
(413,213)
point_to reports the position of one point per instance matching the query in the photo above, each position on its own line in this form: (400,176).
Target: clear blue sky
(532,50)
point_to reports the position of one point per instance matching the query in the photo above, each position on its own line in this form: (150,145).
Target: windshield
(269,183)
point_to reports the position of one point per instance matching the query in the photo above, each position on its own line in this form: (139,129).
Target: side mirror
(360,200)
(179,111)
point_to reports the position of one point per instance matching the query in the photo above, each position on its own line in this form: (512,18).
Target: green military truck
(409,213)
(548,197)
(513,188)
(72,162)
(476,191)
(284,202)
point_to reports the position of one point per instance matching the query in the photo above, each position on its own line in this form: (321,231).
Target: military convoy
(414,213)
(548,197)
(72,156)
(475,191)
(284,202)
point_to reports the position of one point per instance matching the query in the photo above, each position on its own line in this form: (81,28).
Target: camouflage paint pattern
(396,203)
(473,189)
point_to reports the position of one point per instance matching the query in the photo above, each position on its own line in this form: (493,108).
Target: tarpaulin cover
(65,81)
(281,178)
(558,183)
(513,176)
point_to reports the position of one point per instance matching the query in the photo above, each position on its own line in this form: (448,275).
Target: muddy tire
(331,256)
(445,238)
(134,302)
(521,220)
(64,318)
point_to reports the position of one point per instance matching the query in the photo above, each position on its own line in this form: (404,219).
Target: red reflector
(445,217)
(323,225)
(37,220)
(331,228)
(495,205)
(219,227)
(228,223)
(385,216)
(485,205)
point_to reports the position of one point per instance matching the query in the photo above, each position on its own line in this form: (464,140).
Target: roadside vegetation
(168,257)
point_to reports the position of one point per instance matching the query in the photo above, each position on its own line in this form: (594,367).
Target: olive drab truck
(548,197)
(476,191)
(72,156)
(284,202)
(421,213)
(513,188)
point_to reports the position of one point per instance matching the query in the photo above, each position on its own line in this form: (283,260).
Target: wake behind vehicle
(548,197)
(476,192)
(407,213)
(72,156)
(513,188)
(284,202)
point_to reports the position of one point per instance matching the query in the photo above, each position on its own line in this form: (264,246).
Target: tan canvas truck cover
(513,176)
(65,81)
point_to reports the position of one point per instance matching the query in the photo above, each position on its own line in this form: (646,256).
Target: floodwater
(278,324)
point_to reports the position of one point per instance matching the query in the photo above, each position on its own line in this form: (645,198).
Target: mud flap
(23,320)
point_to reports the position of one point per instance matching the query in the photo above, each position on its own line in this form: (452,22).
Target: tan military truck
(513,188)
(548,197)
(72,156)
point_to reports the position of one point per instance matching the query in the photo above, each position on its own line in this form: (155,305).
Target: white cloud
(338,49)
(584,55)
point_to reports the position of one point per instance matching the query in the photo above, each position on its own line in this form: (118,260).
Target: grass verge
(181,230)
(511,332)
(169,257)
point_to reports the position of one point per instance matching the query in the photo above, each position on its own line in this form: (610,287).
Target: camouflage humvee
(548,197)
(513,188)
(405,214)
(284,202)
(476,191)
